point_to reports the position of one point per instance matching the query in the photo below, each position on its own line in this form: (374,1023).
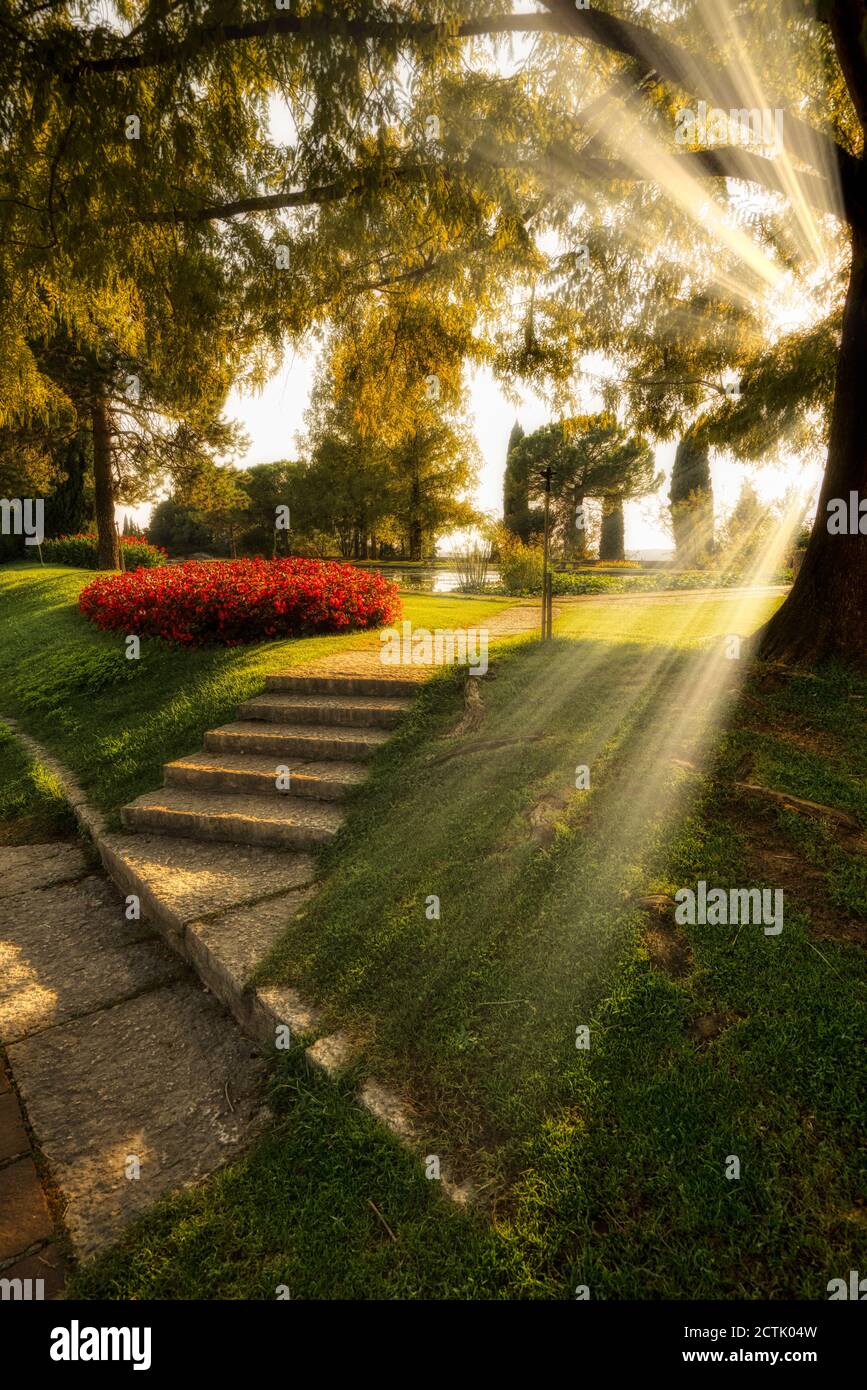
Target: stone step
(343,685)
(359,711)
(256,775)
(307,741)
(179,881)
(288,821)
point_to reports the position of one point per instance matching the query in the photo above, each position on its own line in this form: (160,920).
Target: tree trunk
(612,537)
(415,527)
(825,614)
(108,557)
(569,516)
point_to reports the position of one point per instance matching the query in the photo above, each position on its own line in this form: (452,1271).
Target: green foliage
(70,506)
(81,551)
(518,517)
(589,456)
(178,529)
(691,498)
(386,460)
(520,565)
(268,486)
(216,495)
(747,532)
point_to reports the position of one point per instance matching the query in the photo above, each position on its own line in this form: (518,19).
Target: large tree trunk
(108,557)
(612,537)
(825,614)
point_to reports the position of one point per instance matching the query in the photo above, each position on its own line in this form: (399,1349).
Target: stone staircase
(276,776)
(221,858)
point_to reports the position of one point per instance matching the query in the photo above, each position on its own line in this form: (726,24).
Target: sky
(274,421)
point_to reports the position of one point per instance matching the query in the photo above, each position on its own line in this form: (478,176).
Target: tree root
(474,710)
(799,803)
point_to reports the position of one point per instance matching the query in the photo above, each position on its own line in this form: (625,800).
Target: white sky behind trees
(274,418)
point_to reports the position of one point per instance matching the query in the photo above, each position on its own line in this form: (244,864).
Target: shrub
(233,601)
(527,580)
(81,551)
(520,565)
(584,583)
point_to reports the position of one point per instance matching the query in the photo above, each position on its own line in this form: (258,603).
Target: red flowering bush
(234,601)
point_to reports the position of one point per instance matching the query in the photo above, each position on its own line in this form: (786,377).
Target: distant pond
(427,580)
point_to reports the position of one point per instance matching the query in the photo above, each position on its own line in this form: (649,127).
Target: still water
(428,581)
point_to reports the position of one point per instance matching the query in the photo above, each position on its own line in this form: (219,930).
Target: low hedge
(81,551)
(565,584)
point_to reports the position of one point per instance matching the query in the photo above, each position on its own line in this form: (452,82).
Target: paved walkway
(679,595)
(518,620)
(133,1079)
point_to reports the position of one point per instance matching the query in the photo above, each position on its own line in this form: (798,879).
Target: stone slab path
(133,1079)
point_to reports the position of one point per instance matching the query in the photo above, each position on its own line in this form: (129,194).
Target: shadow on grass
(478,904)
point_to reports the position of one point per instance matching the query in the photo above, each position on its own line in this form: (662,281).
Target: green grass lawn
(115,721)
(604,1166)
(689,621)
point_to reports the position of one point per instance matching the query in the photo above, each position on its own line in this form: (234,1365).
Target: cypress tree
(67,510)
(516,500)
(612,536)
(691,498)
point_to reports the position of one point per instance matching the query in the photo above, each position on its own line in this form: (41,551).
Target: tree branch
(200,40)
(276,202)
(725,162)
(686,69)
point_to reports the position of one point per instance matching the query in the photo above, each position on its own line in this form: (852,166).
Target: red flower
(236,601)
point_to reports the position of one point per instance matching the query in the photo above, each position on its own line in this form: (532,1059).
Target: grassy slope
(621,1183)
(33,809)
(615,1155)
(115,722)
